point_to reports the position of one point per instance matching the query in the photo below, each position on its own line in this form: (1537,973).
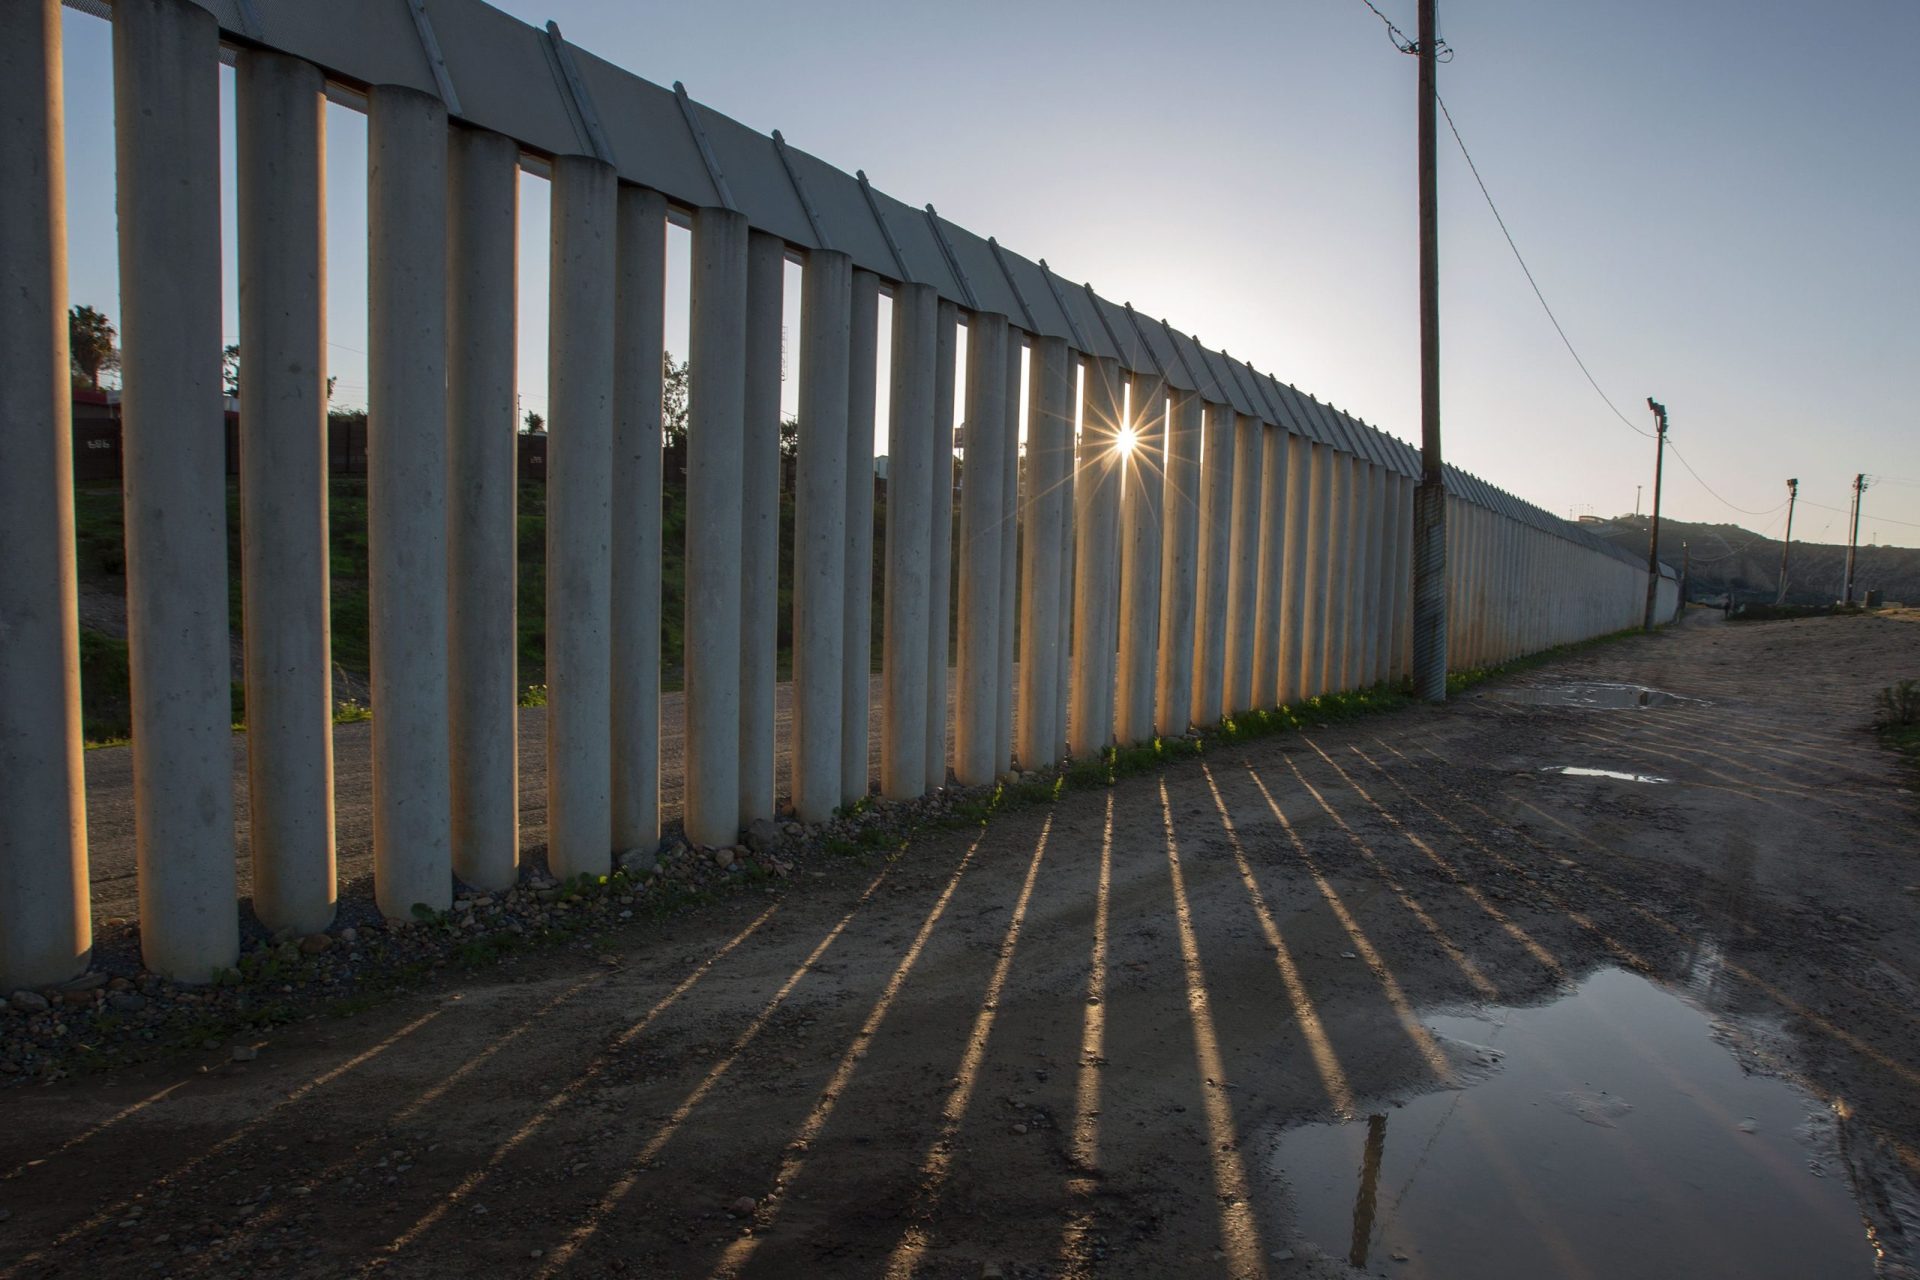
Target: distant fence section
(1180,536)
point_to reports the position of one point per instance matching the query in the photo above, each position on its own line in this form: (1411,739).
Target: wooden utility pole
(1430,498)
(1653,535)
(1853,538)
(1793,493)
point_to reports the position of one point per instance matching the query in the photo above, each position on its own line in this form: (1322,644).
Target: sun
(1126,440)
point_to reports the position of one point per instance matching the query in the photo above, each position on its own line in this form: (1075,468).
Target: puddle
(1609,1135)
(1595,697)
(1573,771)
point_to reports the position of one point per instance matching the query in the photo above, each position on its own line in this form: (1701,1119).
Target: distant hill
(1725,557)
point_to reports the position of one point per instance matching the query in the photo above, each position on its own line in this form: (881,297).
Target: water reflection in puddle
(1573,771)
(1600,696)
(1606,1134)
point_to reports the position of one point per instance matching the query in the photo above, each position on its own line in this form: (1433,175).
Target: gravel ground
(1060,1044)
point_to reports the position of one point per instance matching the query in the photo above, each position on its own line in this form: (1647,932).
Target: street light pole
(1430,498)
(1853,538)
(1793,493)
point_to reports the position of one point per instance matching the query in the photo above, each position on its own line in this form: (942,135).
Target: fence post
(45,928)
(167,140)
(639,383)
(1142,529)
(940,544)
(760,525)
(1009,548)
(820,533)
(1287,688)
(1096,519)
(1043,607)
(1243,573)
(483,199)
(279,133)
(856,656)
(716,405)
(1179,566)
(908,602)
(1269,635)
(1215,566)
(982,492)
(580,518)
(1318,578)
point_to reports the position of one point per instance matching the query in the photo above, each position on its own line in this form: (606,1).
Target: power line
(1528,271)
(1709,488)
(1909,524)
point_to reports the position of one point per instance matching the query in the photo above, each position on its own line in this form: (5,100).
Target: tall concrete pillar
(1142,524)
(909,599)
(1269,635)
(820,533)
(1043,605)
(639,330)
(760,524)
(1061,489)
(1317,622)
(1295,571)
(584,235)
(281,181)
(856,654)
(716,435)
(982,492)
(1345,505)
(1215,566)
(1243,579)
(1096,584)
(1009,546)
(167,140)
(483,237)
(940,544)
(46,933)
(1179,566)
(1379,562)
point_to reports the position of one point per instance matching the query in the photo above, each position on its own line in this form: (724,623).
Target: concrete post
(1009,548)
(982,491)
(281,180)
(908,600)
(580,518)
(1269,635)
(1141,527)
(856,652)
(639,330)
(1179,566)
(1243,575)
(45,931)
(1317,621)
(716,431)
(1096,521)
(483,211)
(167,136)
(760,524)
(1288,688)
(1400,644)
(1215,566)
(940,544)
(1379,566)
(1342,571)
(1043,607)
(820,533)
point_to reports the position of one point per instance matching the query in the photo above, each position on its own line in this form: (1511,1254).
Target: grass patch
(1896,714)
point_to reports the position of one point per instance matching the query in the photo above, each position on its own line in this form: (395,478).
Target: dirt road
(1064,1045)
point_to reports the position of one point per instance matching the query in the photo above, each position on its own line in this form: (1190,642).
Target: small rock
(723,858)
(638,862)
(28,1002)
(285,935)
(743,1206)
(1748,1126)
(1282,1255)
(245,1052)
(349,934)
(315,943)
(1348,955)
(762,834)
(794,829)
(86,982)
(76,999)
(991,1271)
(1020,1128)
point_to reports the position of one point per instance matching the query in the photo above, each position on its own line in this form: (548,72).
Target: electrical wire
(1405,43)
(1675,450)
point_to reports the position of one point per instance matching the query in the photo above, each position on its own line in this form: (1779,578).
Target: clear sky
(1720,200)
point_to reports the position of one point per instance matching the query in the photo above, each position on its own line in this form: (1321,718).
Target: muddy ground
(1063,1045)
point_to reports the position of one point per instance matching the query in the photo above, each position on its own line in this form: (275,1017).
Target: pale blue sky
(1718,198)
